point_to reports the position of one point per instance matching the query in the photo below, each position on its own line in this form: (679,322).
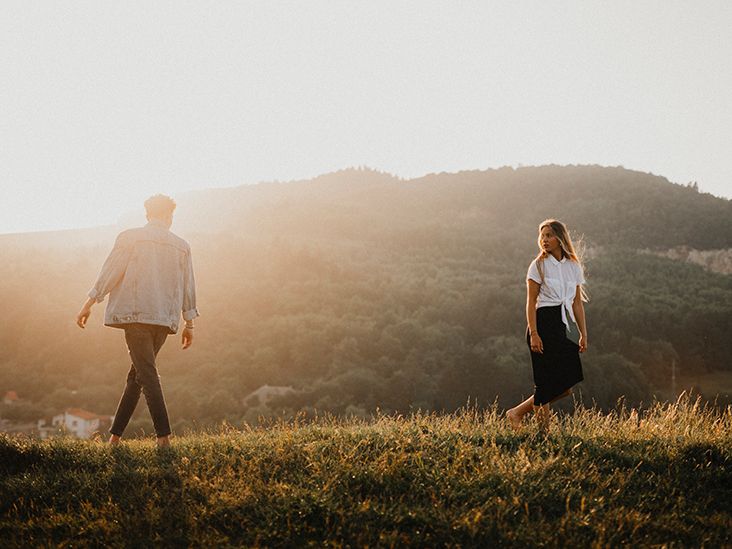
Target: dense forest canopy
(363,291)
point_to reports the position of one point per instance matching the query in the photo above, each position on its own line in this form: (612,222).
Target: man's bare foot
(164,442)
(114,440)
(513,418)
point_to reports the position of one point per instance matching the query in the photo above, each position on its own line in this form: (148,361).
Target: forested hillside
(364,291)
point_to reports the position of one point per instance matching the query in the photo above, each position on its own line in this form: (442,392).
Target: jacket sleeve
(189,290)
(113,269)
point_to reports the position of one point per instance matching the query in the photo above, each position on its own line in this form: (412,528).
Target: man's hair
(159,206)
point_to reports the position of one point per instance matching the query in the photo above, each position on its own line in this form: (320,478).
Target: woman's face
(549,240)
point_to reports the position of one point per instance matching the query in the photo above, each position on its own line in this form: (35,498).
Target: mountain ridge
(226,208)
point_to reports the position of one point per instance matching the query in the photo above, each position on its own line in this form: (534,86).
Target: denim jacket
(149,278)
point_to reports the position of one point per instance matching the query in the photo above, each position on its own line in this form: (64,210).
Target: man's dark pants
(144,342)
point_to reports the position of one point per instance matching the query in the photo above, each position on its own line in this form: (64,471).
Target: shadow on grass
(148,491)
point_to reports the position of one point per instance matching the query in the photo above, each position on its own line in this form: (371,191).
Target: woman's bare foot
(163,442)
(114,440)
(514,418)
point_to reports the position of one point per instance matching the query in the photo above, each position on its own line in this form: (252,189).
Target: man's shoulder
(181,242)
(126,236)
(133,234)
(148,233)
(172,239)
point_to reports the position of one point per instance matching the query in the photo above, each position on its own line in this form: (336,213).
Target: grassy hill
(655,477)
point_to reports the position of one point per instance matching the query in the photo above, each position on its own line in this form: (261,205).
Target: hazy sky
(104,103)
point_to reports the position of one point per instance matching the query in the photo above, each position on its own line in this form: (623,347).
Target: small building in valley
(76,421)
(266,393)
(11,397)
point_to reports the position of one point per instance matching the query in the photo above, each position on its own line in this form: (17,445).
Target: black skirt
(559,367)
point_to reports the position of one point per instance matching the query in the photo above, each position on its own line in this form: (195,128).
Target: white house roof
(268,391)
(82,414)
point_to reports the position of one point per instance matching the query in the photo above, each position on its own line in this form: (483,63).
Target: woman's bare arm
(532,294)
(579,314)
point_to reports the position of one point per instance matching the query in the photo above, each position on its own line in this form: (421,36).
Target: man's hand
(187,337)
(83,315)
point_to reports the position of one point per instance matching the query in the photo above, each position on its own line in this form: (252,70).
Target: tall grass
(648,478)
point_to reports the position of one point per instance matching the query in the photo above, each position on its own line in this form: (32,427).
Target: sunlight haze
(105,103)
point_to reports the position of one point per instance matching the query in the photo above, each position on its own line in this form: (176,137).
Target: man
(149,278)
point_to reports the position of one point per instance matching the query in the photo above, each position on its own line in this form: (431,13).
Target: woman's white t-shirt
(561,279)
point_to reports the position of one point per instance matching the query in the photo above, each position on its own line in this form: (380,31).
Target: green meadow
(655,477)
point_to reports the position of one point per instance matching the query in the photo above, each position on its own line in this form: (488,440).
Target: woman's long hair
(568,249)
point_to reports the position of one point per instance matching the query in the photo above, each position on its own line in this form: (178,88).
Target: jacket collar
(157,223)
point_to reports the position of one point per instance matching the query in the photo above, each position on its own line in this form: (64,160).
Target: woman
(556,331)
